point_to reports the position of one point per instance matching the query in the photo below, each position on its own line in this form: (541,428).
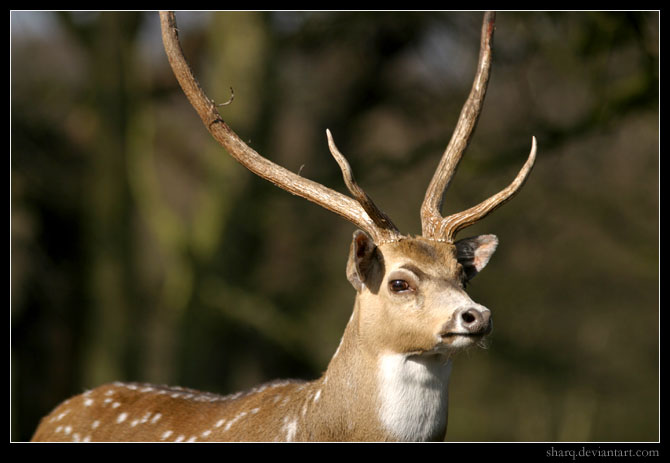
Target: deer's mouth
(457,339)
(480,333)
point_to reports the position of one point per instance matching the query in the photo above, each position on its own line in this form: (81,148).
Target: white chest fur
(413,394)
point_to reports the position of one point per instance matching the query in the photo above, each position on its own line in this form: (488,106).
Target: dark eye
(398,286)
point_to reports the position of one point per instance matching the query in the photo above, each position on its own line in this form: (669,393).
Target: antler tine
(377,215)
(362,214)
(432,203)
(449,226)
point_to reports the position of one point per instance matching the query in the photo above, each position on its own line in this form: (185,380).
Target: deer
(388,378)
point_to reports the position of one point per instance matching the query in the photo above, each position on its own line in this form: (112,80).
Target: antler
(361,211)
(432,222)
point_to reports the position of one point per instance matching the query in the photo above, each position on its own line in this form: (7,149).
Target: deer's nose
(475,320)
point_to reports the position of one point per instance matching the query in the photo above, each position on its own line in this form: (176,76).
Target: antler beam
(433,224)
(364,215)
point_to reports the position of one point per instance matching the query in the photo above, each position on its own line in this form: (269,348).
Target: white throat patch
(413,393)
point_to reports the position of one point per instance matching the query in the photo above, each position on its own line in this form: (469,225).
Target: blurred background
(141,251)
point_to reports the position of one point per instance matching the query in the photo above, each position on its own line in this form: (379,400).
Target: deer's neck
(413,396)
(379,395)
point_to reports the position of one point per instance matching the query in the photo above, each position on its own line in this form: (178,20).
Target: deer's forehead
(428,255)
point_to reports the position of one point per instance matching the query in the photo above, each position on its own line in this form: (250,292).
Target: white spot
(147,389)
(88,402)
(206,433)
(166,434)
(235,420)
(156,417)
(109,392)
(62,415)
(255,410)
(191,439)
(219,423)
(59,428)
(291,429)
(134,423)
(107,400)
(86,439)
(116,405)
(75,437)
(95,424)
(122,417)
(317,396)
(179,438)
(67,430)
(145,418)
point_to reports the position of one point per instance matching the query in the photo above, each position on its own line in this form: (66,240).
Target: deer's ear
(363,260)
(474,253)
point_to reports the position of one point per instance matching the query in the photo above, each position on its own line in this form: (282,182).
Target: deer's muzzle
(474,321)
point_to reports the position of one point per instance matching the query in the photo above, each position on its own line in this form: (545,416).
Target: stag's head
(410,290)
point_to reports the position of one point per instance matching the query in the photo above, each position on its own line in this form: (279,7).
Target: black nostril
(469,316)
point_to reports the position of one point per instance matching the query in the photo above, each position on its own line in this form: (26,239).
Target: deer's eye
(398,286)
